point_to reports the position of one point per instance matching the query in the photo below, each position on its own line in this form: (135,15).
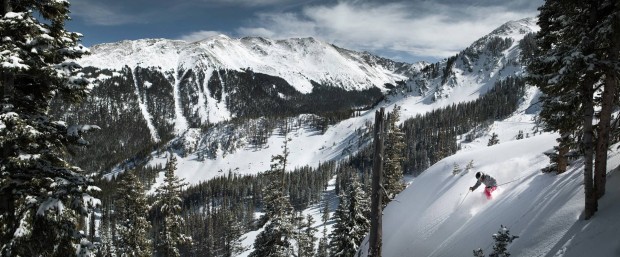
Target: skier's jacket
(485,179)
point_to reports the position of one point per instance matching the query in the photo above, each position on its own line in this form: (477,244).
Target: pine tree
(576,55)
(132,224)
(470,166)
(520,135)
(232,236)
(275,239)
(340,239)
(305,236)
(456,169)
(42,196)
(322,250)
(352,223)
(493,140)
(169,205)
(562,109)
(393,168)
(502,239)
(500,247)
(106,246)
(360,209)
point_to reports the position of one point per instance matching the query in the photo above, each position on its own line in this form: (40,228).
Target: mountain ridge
(297,60)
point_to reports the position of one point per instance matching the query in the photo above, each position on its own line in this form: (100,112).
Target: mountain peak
(216,37)
(516,28)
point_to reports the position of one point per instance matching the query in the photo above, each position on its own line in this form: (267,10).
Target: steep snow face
(298,61)
(436,216)
(488,60)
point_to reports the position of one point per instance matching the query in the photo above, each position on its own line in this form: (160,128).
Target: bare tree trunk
(602,142)
(608,101)
(562,162)
(376,228)
(590,196)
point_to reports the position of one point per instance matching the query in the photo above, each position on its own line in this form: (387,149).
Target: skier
(488,181)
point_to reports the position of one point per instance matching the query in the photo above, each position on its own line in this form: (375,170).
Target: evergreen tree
(169,205)
(493,140)
(359,207)
(456,169)
(520,135)
(470,166)
(106,246)
(393,168)
(502,239)
(275,239)
(305,236)
(352,223)
(562,98)
(132,225)
(576,55)
(500,247)
(340,239)
(322,250)
(232,236)
(42,196)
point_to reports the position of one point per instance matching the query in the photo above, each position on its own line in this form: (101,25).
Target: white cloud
(424,29)
(199,35)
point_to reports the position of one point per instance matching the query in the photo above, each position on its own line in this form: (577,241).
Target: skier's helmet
(478,174)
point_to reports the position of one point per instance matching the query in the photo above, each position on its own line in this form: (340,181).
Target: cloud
(199,35)
(96,13)
(420,28)
(249,3)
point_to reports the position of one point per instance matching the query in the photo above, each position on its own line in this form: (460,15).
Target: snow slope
(545,210)
(487,60)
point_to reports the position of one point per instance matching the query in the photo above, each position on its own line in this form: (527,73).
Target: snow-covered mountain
(489,59)
(163,88)
(299,61)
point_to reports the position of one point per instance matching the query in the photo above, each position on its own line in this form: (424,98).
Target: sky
(403,30)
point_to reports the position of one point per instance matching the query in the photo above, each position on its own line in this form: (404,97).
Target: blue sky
(404,30)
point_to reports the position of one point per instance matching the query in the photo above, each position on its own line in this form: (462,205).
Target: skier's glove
(471,188)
